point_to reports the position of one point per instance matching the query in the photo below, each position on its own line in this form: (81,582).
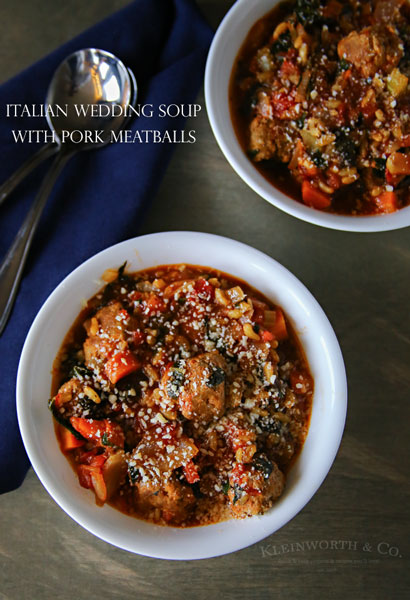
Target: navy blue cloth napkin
(101,195)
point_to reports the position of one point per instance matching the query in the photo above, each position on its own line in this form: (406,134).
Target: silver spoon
(87,78)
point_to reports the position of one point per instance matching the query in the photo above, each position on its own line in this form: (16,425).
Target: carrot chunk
(121,364)
(103,431)
(279,329)
(191,472)
(69,441)
(313,197)
(387,202)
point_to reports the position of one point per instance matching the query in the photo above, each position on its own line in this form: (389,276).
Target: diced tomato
(238,437)
(91,478)
(98,460)
(69,441)
(124,314)
(85,456)
(191,472)
(84,476)
(314,197)
(334,180)
(204,289)
(282,102)
(154,304)
(288,69)
(279,330)
(58,401)
(387,202)
(240,476)
(138,337)
(135,296)
(266,335)
(299,382)
(121,364)
(103,432)
(368,110)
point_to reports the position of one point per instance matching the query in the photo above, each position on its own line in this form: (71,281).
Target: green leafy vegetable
(238,493)
(263,464)
(300,122)
(176,381)
(216,378)
(346,147)
(307,12)
(380,167)
(81,372)
(343,65)
(319,160)
(105,441)
(282,44)
(61,420)
(133,473)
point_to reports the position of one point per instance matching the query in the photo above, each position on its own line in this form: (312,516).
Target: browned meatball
(253,488)
(372,49)
(174,499)
(107,331)
(198,387)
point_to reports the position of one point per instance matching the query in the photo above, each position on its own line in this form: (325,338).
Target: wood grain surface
(352,540)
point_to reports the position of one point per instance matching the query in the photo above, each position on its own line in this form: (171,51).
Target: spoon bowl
(91,92)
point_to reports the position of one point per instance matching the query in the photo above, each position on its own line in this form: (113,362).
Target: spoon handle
(21,173)
(12,266)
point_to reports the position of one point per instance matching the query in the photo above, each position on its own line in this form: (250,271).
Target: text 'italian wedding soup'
(182,396)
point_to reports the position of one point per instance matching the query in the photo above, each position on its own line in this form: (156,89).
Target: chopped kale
(307,12)
(176,381)
(380,167)
(61,420)
(252,153)
(300,122)
(346,147)
(133,473)
(225,487)
(80,371)
(318,159)
(121,270)
(263,464)
(105,441)
(343,65)
(238,493)
(196,490)
(282,44)
(216,378)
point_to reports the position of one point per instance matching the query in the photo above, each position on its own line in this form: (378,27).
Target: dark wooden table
(352,540)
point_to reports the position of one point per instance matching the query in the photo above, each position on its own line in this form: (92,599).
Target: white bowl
(224,49)
(59,312)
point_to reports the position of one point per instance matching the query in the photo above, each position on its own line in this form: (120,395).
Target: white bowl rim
(187,550)
(219,118)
